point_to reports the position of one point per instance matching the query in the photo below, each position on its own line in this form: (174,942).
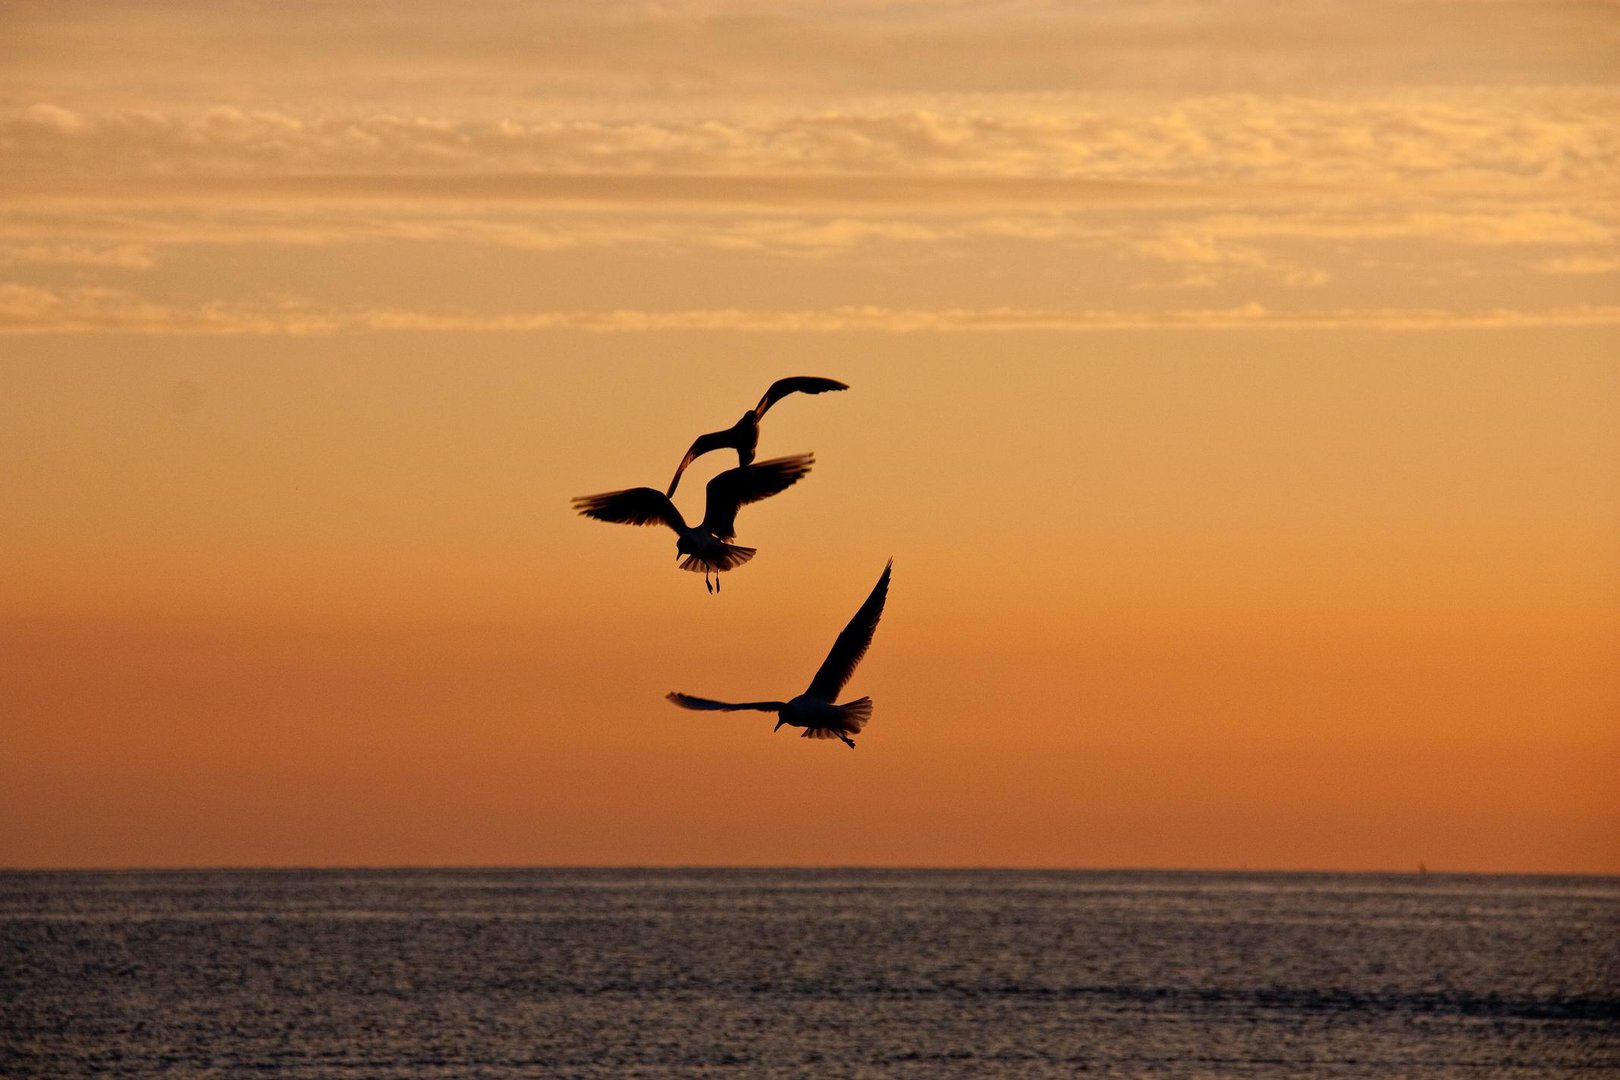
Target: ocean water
(806,973)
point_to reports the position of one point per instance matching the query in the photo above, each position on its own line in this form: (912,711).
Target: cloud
(500,54)
(1054,150)
(132,241)
(1493,225)
(1578,265)
(116,256)
(1110,242)
(36,310)
(1214,247)
(54,118)
(1209,259)
(29,309)
(1231,190)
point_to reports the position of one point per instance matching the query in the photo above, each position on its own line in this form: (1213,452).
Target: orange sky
(1242,422)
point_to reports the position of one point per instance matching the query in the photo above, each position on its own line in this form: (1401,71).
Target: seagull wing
(749,483)
(851,644)
(687,701)
(714,440)
(796,384)
(632,506)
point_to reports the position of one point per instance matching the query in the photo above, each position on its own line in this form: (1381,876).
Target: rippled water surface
(839,973)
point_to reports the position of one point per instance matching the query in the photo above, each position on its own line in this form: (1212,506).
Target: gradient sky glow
(1237,391)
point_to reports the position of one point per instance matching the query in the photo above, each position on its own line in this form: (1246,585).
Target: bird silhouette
(743,436)
(704,545)
(814,710)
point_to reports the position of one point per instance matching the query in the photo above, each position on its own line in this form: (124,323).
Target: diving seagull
(703,545)
(743,436)
(814,710)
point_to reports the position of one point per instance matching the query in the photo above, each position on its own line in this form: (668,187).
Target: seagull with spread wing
(743,436)
(814,710)
(704,545)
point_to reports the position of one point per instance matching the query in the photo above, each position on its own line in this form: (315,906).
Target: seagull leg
(717,581)
(706,583)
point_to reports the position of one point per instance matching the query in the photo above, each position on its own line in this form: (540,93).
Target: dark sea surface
(790,973)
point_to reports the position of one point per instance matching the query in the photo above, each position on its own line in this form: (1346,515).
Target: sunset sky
(1236,387)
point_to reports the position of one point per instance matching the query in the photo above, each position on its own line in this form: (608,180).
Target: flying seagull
(703,545)
(814,710)
(743,436)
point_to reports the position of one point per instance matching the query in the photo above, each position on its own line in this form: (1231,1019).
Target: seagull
(743,436)
(814,710)
(703,545)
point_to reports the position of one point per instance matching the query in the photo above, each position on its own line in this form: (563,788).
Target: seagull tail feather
(852,717)
(730,557)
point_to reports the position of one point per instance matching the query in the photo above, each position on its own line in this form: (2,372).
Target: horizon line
(1418,871)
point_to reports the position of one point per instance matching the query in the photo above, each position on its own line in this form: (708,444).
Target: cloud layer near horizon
(506,56)
(1164,157)
(33,310)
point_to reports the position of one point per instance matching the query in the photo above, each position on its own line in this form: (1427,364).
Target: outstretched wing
(749,483)
(796,384)
(632,506)
(687,701)
(714,440)
(851,644)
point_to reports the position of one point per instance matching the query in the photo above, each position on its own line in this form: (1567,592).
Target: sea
(663,973)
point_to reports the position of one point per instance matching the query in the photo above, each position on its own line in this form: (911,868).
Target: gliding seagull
(704,545)
(814,710)
(743,436)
